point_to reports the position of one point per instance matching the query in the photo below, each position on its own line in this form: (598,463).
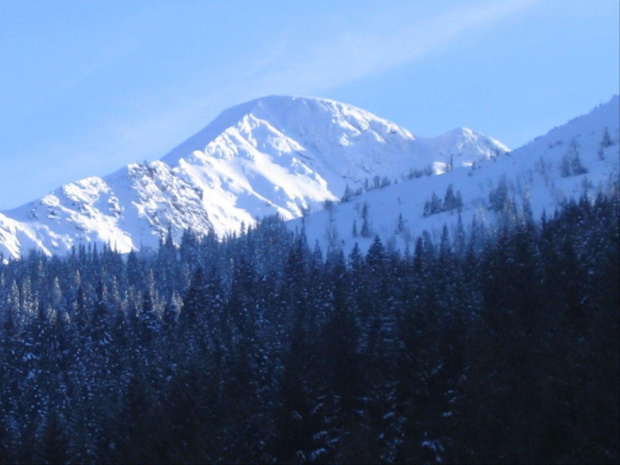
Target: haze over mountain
(283,155)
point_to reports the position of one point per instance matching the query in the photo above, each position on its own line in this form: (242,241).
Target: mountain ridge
(284,155)
(578,158)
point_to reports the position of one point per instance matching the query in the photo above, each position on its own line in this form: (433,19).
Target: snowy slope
(281,155)
(536,172)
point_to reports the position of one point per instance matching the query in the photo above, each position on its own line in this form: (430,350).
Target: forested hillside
(488,346)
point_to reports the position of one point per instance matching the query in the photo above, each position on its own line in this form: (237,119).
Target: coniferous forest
(483,346)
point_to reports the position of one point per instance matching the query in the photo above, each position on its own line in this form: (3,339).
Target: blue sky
(89,86)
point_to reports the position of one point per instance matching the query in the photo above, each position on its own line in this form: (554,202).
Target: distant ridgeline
(487,346)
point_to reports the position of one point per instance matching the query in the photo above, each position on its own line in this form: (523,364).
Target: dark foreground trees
(500,347)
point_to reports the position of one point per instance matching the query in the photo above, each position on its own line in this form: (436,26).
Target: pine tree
(450,201)
(498,197)
(433,206)
(571,163)
(606,141)
(400,224)
(365,231)
(348,195)
(191,319)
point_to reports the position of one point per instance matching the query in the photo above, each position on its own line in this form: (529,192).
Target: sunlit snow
(289,155)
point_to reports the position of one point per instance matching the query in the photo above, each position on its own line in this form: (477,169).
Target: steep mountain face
(580,157)
(282,155)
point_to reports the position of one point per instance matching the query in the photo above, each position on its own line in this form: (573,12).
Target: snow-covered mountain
(579,157)
(282,155)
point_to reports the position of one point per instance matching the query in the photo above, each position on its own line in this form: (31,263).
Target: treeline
(488,347)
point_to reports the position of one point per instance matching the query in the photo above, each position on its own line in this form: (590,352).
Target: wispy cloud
(355,53)
(287,66)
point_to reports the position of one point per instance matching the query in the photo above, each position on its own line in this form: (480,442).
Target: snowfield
(289,155)
(538,175)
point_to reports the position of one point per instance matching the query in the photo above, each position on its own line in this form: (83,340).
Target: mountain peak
(294,116)
(280,155)
(463,135)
